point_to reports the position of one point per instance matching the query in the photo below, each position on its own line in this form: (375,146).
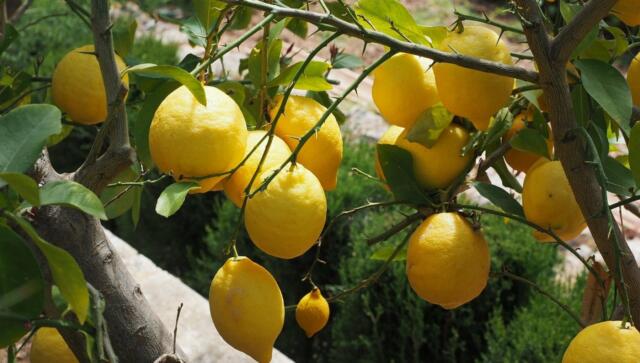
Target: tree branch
(574,32)
(397,45)
(97,172)
(572,151)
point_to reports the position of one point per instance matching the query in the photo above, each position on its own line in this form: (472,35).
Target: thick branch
(397,45)
(571,149)
(572,34)
(97,172)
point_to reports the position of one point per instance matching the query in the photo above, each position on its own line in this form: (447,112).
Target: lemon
(403,88)
(49,346)
(447,260)
(312,312)
(435,167)
(188,139)
(286,219)
(236,184)
(322,153)
(633,78)
(247,307)
(77,86)
(605,342)
(521,160)
(469,93)
(628,11)
(548,201)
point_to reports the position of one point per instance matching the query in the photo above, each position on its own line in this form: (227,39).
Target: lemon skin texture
(247,307)
(322,153)
(435,167)
(77,87)
(312,312)
(286,219)
(517,159)
(605,342)
(548,201)
(628,11)
(403,88)
(468,93)
(447,260)
(633,78)
(48,346)
(235,185)
(188,139)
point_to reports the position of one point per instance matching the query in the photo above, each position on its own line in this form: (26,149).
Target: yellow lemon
(628,11)
(312,312)
(77,86)
(435,167)
(605,342)
(49,346)
(236,184)
(247,307)
(548,201)
(469,93)
(286,219)
(188,139)
(447,260)
(633,78)
(521,160)
(322,153)
(403,88)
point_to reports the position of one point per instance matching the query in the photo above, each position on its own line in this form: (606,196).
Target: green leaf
(580,105)
(234,89)
(71,194)
(172,198)
(135,208)
(142,122)
(389,17)
(207,12)
(273,62)
(124,38)
(175,73)
(345,60)
(65,271)
(21,287)
(397,167)
(435,33)
(298,27)
(568,12)
(195,31)
(500,198)
(507,179)
(384,253)
(499,127)
(242,18)
(430,125)
(22,184)
(10,35)
(532,95)
(619,179)
(125,195)
(312,79)
(530,140)
(324,99)
(634,153)
(608,88)
(23,133)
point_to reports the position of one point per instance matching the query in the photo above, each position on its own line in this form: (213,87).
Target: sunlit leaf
(175,73)
(71,194)
(430,125)
(172,198)
(312,78)
(390,17)
(385,252)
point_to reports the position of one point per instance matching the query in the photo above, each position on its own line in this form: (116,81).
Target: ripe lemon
(286,219)
(435,167)
(447,260)
(189,139)
(247,307)
(633,78)
(403,88)
(312,312)
(521,160)
(469,93)
(236,184)
(322,153)
(49,346)
(606,342)
(548,201)
(628,11)
(77,86)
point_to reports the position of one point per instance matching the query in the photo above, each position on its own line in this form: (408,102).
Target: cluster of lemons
(448,259)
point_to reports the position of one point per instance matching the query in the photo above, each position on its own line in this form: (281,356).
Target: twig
(175,328)
(394,44)
(395,229)
(20,11)
(486,20)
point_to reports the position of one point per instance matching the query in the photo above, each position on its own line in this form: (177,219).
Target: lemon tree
(536,113)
